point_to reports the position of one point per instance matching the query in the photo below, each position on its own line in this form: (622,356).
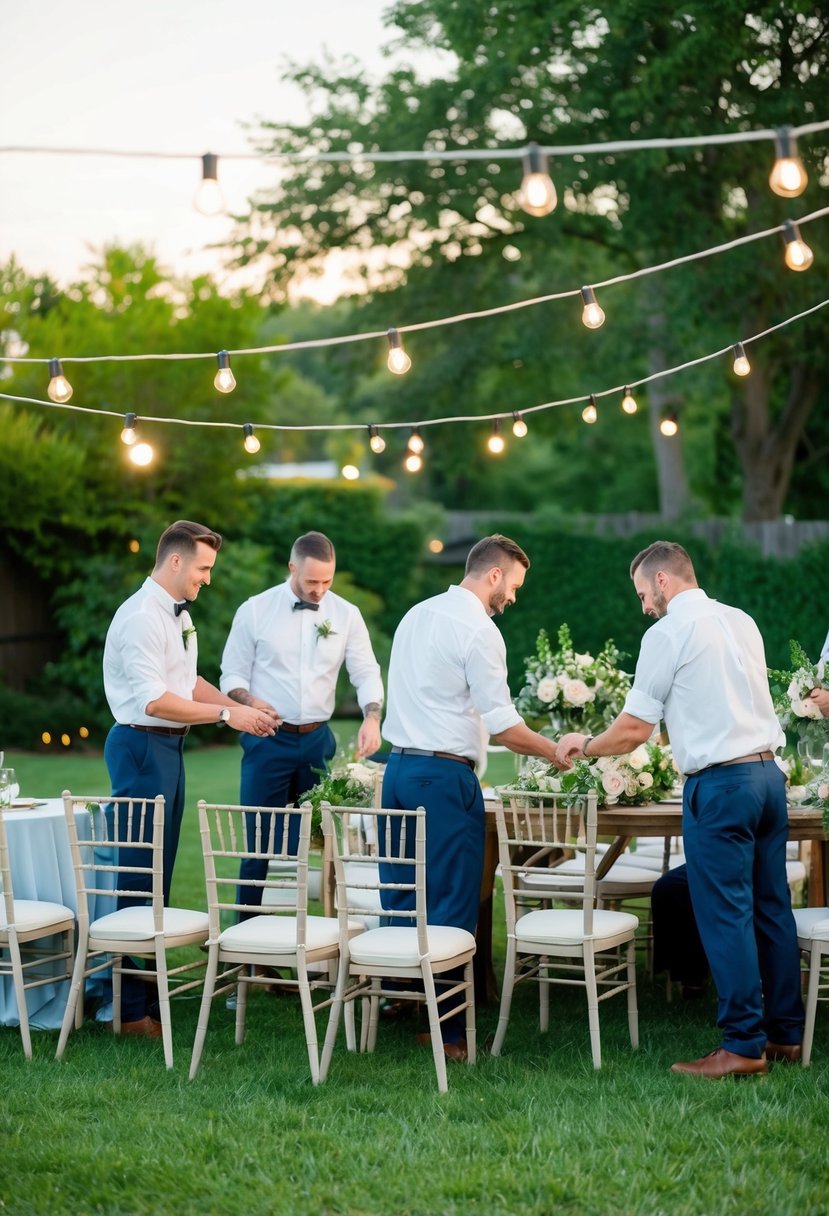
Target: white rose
(602,763)
(823,791)
(576,692)
(797,793)
(613,783)
(631,786)
(584,660)
(547,689)
(551,784)
(793,691)
(807,709)
(361,773)
(639,758)
(645,781)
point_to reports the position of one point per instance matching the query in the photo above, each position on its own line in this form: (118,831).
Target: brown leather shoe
(146,1028)
(452,1051)
(720,1063)
(789,1053)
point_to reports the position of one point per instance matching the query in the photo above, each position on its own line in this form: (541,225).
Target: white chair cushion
(396,946)
(569,874)
(277,934)
(806,920)
(637,861)
(136,924)
(562,927)
(30,914)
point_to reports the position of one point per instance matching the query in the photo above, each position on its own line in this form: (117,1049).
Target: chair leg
(592,1004)
(434,1028)
(74,1000)
(164,1003)
(471,1032)
(20,994)
(506,997)
(242,987)
(334,1022)
(811,1003)
(309,1020)
(117,963)
(370,1036)
(204,1008)
(543,995)
(633,1010)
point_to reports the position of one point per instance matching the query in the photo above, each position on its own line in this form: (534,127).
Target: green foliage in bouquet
(569,690)
(647,774)
(799,717)
(346,784)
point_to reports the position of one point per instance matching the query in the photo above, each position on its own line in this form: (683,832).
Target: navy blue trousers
(143,765)
(677,948)
(276,770)
(451,795)
(735,824)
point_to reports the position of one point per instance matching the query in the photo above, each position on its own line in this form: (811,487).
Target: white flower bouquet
(572,690)
(817,793)
(797,713)
(647,774)
(347,783)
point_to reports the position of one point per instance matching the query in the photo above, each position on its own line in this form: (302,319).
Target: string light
(435,545)
(741,365)
(376,441)
(798,255)
(413,462)
(350,472)
(592,315)
(224,380)
(416,443)
(496,443)
(142,454)
(669,425)
(60,390)
(398,361)
(128,434)
(209,198)
(519,426)
(538,194)
(252,444)
(788,178)
(590,412)
(629,402)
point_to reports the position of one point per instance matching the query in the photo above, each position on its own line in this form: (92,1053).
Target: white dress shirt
(145,655)
(824,654)
(278,654)
(702,668)
(448,678)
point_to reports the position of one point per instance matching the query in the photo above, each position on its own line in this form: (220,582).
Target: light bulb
(252,444)
(209,199)
(496,443)
(538,194)
(60,390)
(350,472)
(224,380)
(416,443)
(592,315)
(398,361)
(413,462)
(590,413)
(798,255)
(788,178)
(628,402)
(669,426)
(376,441)
(141,454)
(128,434)
(519,427)
(742,367)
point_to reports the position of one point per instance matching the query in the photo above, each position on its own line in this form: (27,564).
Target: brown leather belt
(161,730)
(750,759)
(416,751)
(304,728)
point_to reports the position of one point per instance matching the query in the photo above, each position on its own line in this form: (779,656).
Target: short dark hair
(182,537)
(313,544)
(495,550)
(664,555)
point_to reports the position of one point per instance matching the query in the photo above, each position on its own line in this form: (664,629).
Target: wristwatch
(224,715)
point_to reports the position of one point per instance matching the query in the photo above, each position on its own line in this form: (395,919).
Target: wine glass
(804,751)
(8,786)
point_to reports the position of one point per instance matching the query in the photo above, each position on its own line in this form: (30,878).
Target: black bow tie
(300,604)
(179,608)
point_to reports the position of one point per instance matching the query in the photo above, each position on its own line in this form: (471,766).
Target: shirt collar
(471,598)
(163,597)
(687,599)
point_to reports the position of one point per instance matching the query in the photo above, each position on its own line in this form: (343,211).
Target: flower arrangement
(324,630)
(817,793)
(647,774)
(572,691)
(797,714)
(347,783)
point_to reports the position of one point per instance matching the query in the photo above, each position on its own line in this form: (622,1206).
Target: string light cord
(420,423)
(497,310)
(440,154)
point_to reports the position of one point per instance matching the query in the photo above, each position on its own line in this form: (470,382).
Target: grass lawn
(536,1131)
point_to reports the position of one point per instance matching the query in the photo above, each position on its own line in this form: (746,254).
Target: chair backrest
(231,834)
(383,851)
(539,829)
(5,872)
(117,847)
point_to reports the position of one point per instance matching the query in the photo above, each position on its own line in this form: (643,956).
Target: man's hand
(368,740)
(821,698)
(569,746)
(253,721)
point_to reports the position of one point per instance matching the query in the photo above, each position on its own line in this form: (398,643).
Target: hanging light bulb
(590,412)
(128,434)
(798,255)
(538,194)
(376,441)
(224,380)
(209,199)
(669,425)
(350,472)
(60,390)
(413,462)
(141,454)
(629,402)
(742,367)
(415,443)
(496,443)
(592,315)
(519,427)
(788,178)
(398,361)
(252,444)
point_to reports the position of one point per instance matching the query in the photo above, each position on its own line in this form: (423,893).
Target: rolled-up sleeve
(486,673)
(655,671)
(361,665)
(142,656)
(239,651)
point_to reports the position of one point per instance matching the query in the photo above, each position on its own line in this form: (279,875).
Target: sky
(160,75)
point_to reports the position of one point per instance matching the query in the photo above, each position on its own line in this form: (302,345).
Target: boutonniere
(324,630)
(187,634)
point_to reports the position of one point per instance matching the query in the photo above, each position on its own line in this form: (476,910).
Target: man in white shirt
(447,691)
(702,668)
(156,695)
(284,652)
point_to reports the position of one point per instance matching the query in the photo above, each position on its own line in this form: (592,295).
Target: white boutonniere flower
(188,629)
(324,630)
